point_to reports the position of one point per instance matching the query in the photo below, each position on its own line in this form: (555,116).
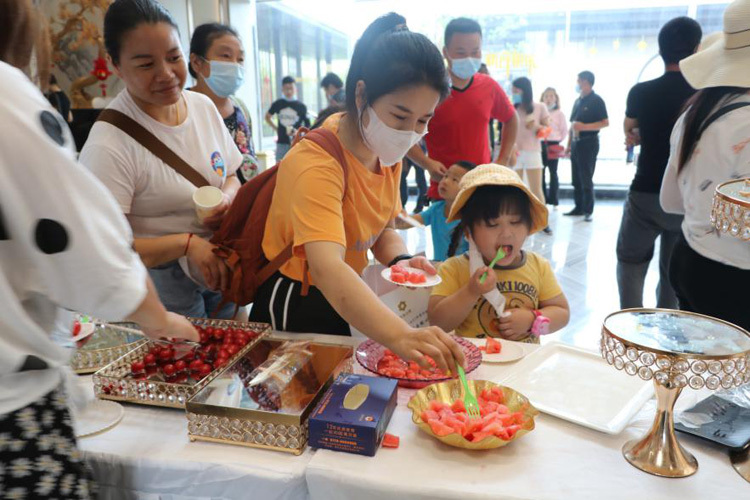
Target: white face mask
(390,145)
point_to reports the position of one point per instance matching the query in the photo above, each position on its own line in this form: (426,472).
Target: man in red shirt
(458,131)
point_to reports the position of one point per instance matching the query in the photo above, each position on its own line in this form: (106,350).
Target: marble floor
(583,258)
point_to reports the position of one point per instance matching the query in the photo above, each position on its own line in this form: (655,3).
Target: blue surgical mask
(466,67)
(517,99)
(578,89)
(226,78)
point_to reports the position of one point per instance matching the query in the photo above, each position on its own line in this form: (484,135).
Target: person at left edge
(217,62)
(143,43)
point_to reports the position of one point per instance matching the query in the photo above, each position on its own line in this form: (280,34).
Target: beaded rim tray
(730,213)
(286,432)
(86,361)
(114,381)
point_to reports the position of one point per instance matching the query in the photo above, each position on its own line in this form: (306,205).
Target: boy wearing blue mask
(458,131)
(292,115)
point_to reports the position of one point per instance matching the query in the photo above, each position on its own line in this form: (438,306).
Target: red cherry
(76,327)
(137,367)
(219,333)
(151,369)
(233,349)
(223,353)
(169,370)
(181,378)
(195,365)
(149,359)
(205,370)
(210,331)
(220,362)
(166,354)
(180,365)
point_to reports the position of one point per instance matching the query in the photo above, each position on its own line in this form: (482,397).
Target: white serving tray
(579,386)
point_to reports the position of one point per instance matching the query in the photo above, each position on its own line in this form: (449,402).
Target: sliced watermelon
(493,346)
(390,441)
(496,419)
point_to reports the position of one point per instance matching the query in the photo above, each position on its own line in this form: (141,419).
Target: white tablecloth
(558,460)
(149,456)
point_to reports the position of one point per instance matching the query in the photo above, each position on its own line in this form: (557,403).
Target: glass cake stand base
(741,463)
(659,452)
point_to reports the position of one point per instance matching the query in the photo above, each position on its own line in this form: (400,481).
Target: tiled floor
(583,257)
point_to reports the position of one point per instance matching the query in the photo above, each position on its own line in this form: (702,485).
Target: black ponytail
(389,57)
(126,15)
(456,236)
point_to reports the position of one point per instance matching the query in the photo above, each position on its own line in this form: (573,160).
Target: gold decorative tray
(118,382)
(263,399)
(730,213)
(104,346)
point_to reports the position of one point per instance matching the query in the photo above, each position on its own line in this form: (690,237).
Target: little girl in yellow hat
(519,299)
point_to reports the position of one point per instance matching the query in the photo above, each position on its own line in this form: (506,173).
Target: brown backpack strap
(153,144)
(327,140)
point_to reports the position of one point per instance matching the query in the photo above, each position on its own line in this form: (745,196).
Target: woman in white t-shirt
(710,268)
(143,42)
(64,243)
(532,116)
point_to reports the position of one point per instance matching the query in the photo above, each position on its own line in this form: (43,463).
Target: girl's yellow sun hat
(492,174)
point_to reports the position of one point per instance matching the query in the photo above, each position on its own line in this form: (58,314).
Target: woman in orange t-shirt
(396,79)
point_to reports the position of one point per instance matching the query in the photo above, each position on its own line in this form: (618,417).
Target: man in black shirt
(292,115)
(588,117)
(652,110)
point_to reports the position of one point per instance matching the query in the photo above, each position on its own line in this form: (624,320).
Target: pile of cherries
(217,347)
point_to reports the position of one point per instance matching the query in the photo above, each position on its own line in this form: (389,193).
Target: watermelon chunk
(493,346)
(439,428)
(390,441)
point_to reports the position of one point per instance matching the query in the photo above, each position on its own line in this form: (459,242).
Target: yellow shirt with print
(523,286)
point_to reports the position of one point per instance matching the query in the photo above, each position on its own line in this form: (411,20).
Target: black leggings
(708,287)
(551,193)
(279,302)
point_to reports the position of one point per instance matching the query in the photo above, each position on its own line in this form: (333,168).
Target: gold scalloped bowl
(448,392)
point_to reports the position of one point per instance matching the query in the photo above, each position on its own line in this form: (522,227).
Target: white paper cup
(206,200)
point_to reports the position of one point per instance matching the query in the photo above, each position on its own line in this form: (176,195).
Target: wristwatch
(540,326)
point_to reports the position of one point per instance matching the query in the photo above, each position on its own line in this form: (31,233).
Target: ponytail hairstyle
(389,57)
(699,108)
(527,96)
(488,203)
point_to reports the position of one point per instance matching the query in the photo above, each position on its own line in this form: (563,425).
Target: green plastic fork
(470,401)
(498,256)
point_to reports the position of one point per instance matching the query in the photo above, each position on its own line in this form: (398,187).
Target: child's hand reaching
(476,287)
(515,323)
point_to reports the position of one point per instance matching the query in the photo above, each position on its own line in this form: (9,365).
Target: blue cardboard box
(354,414)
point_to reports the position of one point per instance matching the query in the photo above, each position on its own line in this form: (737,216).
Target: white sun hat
(723,59)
